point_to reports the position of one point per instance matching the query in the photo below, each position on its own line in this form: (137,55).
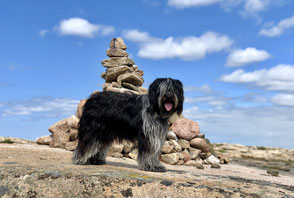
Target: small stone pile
(122,75)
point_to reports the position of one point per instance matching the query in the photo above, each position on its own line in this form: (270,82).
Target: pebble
(215,166)
(273,172)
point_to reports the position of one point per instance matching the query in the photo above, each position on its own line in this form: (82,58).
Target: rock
(139,72)
(127,146)
(115,84)
(212,160)
(185,144)
(109,87)
(185,128)
(130,78)
(73,122)
(60,127)
(167,147)
(117,61)
(223,159)
(176,146)
(59,139)
(171,136)
(70,146)
(118,43)
(194,153)
(142,90)
(134,154)
(181,162)
(186,156)
(130,86)
(117,155)
(80,108)
(171,158)
(215,166)
(73,133)
(116,148)
(273,172)
(115,52)
(199,166)
(199,144)
(44,140)
(103,75)
(181,156)
(191,163)
(114,72)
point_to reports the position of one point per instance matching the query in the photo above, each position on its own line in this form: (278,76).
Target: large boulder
(185,128)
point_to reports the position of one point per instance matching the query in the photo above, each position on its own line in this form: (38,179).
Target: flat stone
(130,78)
(117,61)
(115,52)
(130,86)
(44,140)
(171,158)
(114,72)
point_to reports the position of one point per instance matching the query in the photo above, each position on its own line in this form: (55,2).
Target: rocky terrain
(31,170)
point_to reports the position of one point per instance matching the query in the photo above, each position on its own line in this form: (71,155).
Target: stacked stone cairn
(122,75)
(184,144)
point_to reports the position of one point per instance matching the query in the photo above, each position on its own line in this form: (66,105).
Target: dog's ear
(152,92)
(178,86)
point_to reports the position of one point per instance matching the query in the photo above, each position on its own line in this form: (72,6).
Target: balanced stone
(130,86)
(118,43)
(130,78)
(117,61)
(114,72)
(115,52)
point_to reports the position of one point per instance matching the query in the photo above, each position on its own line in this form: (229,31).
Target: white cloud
(279,78)
(202,89)
(211,100)
(82,28)
(253,6)
(266,126)
(191,3)
(187,48)
(278,29)
(249,55)
(283,99)
(45,106)
(43,32)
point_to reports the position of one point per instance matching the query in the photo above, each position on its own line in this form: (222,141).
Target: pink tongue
(168,106)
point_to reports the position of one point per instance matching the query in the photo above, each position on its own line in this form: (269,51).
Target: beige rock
(70,146)
(80,108)
(130,78)
(118,43)
(174,117)
(116,85)
(60,127)
(191,163)
(185,144)
(44,140)
(127,146)
(181,162)
(194,153)
(114,72)
(171,158)
(181,156)
(176,146)
(134,154)
(142,90)
(130,86)
(59,139)
(73,121)
(199,144)
(167,147)
(116,148)
(185,128)
(115,52)
(73,133)
(109,87)
(117,61)
(103,75)
(139,72)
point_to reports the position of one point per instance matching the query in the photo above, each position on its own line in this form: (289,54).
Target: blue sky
(235,59)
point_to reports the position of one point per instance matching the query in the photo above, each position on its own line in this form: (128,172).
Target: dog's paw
(158,168)
(97,161)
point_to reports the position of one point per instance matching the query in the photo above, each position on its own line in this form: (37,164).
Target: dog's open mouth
(168,106)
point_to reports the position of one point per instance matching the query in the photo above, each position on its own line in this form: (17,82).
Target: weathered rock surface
(185,128)
(30,170)
(118,43)
(44,140)
(199,144)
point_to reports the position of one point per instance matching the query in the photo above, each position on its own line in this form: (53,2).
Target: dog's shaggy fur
(109,116)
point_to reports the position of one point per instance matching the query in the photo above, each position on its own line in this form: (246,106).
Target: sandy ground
(30,170)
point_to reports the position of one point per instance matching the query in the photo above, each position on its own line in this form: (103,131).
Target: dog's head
(166,96)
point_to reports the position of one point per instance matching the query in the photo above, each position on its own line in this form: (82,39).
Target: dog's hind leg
(100,157)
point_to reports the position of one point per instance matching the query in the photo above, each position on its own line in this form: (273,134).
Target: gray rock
(273,172)
(212,160)
(215,166)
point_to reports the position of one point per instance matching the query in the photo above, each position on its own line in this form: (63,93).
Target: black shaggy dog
(109,116)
